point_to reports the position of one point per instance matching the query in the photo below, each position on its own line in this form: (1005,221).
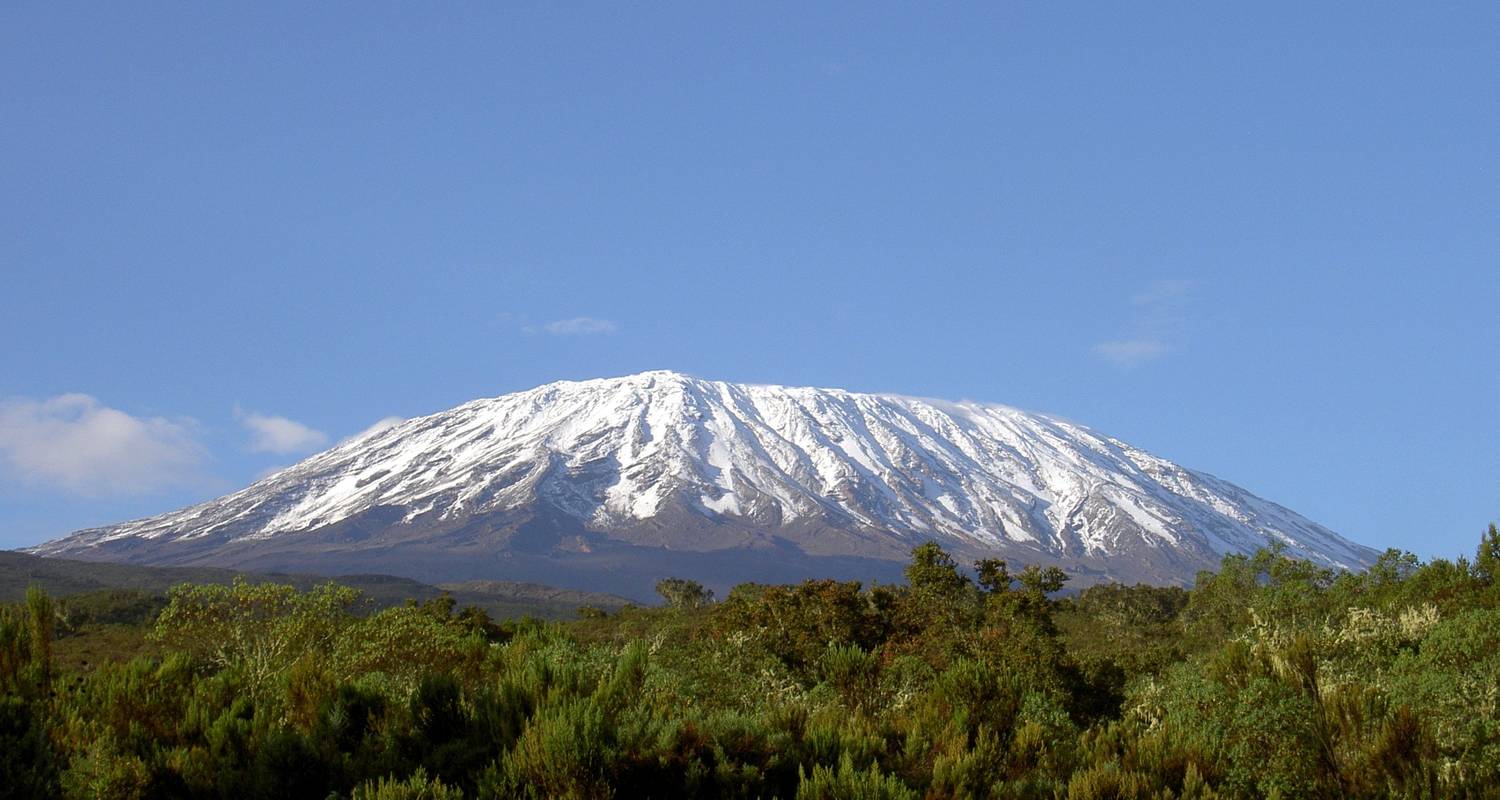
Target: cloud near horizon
(75,443)
(279,435)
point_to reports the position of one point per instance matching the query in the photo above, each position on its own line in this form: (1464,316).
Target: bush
(416,787)
(848,783)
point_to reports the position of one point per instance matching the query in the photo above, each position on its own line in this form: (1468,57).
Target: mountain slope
(571,472)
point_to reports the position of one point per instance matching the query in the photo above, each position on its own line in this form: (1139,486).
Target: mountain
(612,483)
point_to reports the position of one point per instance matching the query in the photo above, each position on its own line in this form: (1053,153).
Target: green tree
(933,574)
(683,593)
(1487,559)
(994,575)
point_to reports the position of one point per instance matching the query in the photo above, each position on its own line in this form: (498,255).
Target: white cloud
(75,443)
(279,435)
(1155,326)
(580,326)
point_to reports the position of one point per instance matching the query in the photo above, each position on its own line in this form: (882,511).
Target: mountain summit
(612,482)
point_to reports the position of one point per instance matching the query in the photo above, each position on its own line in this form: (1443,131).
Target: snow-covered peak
(616,453)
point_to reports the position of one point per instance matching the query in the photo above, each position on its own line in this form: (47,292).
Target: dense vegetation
(1270,678)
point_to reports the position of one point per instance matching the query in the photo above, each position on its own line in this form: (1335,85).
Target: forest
(1270,677)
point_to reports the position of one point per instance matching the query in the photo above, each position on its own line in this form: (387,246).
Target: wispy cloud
(580,326)
(75,443)
(279,435)
(1155,326)
(1127,353)
(383,424)
(572,326)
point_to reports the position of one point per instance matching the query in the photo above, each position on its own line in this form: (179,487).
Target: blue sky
(1261,241)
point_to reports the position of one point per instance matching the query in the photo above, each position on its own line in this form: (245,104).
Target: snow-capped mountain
(571,472)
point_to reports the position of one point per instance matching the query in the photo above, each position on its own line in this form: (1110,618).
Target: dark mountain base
(591,562)
(62,577)
(624,570)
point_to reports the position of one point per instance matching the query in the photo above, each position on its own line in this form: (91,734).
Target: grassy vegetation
(1270,678)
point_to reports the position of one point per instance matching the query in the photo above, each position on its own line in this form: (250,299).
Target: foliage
(258,629)
(683,593)
(415,787)
(849,783)
(1269,678)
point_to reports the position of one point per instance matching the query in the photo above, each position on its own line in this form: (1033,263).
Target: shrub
(416,787)
(849,783)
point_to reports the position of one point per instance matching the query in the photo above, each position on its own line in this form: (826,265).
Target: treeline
(1270,678)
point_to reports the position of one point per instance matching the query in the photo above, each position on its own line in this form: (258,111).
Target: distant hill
(62,577)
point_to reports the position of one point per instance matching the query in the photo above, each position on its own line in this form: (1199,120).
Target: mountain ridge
(665,461)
